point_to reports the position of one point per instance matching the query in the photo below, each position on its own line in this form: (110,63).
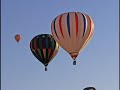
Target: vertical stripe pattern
(55,29)
(60,25)
(84,20)
(68,23)
(44,47)
(76,22)
(77,29)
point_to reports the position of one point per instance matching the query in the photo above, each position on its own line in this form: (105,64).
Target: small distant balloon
(18,37)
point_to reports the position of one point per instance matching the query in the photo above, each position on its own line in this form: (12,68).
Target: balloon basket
(74,62)
(45,68)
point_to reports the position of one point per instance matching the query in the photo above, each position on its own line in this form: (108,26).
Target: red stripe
(35,47)
(76,20)
(60,25)
(49,50)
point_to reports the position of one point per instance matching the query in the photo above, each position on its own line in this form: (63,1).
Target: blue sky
(97,65)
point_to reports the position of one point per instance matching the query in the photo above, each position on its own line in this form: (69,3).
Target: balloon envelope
(18,37)
(72,31)
(89,88)
(44,48)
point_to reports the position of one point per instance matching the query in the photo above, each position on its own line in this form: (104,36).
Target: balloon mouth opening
(74,55)
(46,64)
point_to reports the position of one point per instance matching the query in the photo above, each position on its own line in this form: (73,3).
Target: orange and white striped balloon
(72,31)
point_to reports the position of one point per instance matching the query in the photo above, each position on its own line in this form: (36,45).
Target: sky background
(97,65)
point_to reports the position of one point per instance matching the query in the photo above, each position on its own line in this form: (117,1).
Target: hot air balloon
(18,37)
(44,48)
(72,31)
(89,88)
